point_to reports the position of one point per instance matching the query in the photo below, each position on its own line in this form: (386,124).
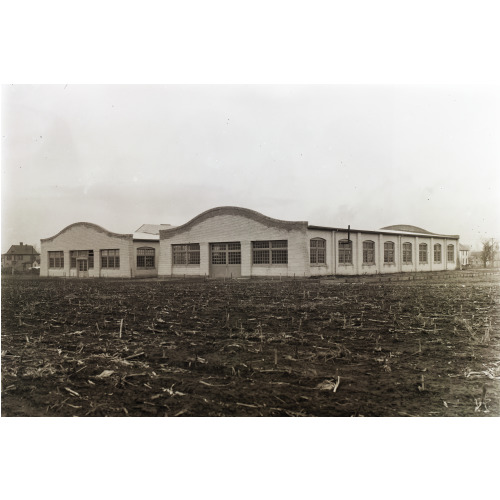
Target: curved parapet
(234,211)
(406,228)
(87,225)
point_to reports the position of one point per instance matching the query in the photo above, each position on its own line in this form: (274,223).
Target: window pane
(261,244)
(451,253)
(321,256)
(437,253)
(219,247)
(261,256)
(422,253)
(279,244)
(280,256)
(194,257)
(368,252)
(234,257)
(179,258)
(218,257)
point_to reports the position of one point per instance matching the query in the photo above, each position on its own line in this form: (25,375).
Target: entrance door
(82,266)
(225,260)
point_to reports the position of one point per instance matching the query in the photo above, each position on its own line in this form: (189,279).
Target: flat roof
(384,231)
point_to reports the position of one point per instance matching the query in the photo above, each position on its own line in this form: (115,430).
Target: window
(318,251)
(407,251)
(110,259)
(437,253)
(345,252)
(234,253)
(389,252)
(422,253)
(368,252)
(145,258)
(186,255)
(81,254)
(270,252)
(451,253)
(56,260)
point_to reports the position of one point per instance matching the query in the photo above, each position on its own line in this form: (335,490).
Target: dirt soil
(334,347)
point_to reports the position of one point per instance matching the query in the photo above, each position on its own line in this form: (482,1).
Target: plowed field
(335,347)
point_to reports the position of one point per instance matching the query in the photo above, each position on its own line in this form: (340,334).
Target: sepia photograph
(250,250)
(255,210)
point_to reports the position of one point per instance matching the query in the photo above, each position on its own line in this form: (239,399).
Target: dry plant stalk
(422,386)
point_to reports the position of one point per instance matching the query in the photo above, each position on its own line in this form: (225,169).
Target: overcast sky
(368,156)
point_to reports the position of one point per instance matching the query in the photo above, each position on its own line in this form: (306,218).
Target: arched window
(437,253)
(318,251)
(368,252)
(145,258)
(422,253)
(345,252)
(451,253)
(389,252)
(407,253)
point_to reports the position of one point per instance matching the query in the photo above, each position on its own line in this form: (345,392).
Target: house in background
(464,255)
(19,258)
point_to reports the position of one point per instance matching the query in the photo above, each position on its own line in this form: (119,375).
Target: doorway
(82,268)
(225,260)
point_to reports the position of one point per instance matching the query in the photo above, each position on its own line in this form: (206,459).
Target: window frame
(451,247)
(368,253)
(438,248)
(423,247)
(186,254)
(74,255)
(389,253)
(407,252)
(55,257)
(106,256)
(317,251)
(345,252)
(147,257)
(270,252)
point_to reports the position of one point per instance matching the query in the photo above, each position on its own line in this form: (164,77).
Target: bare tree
(490,247)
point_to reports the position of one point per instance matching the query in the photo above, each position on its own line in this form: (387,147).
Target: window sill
(389,264)
(344,264)
(191,265)
(368,264)
(318,265)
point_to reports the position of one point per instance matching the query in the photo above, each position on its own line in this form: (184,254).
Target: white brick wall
(234,227)
(85,236)
(229,224)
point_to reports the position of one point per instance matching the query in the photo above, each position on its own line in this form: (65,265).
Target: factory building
(238,242)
